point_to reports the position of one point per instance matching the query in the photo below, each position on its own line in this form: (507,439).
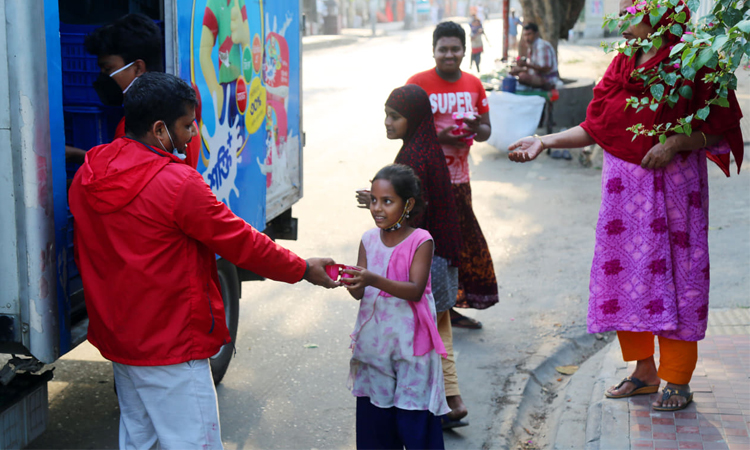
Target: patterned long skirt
(651,269)
(477,285)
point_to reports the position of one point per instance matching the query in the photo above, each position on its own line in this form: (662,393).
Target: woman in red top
(650,274)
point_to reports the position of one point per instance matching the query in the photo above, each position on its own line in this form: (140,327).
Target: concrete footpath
(718,418)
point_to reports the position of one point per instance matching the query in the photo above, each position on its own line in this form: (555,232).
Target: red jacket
(147,228)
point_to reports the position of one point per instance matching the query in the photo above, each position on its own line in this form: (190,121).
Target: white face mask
(131,83)
(120,70)
(174,148)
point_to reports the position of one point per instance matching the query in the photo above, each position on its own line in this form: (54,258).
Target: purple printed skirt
(651,269)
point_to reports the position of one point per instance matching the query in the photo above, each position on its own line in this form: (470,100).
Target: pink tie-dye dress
(383,365)
(651,268)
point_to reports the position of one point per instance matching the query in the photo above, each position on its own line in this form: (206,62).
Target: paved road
(538,220)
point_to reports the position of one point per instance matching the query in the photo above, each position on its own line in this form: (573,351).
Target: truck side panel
(10,305)
(282,79)
(249,87)
(59,177)
(32,202)
(227,77)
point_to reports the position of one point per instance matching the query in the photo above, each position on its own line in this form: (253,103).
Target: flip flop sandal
(566,155)
(449,424)
(466,322)
(641,388)
(669,392)
(556,154)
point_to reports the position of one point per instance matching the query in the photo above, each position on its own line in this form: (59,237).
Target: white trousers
(173,405)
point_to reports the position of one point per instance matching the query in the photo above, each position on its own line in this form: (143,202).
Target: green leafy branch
(717,41)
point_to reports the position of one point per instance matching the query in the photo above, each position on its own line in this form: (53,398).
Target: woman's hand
(447,137)
(360,278)
(525,149)
(363,198)
(660,155)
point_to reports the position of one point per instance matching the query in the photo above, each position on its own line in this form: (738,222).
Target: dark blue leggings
(393,428)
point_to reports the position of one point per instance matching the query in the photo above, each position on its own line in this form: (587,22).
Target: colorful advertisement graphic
(282,101)
(239,63)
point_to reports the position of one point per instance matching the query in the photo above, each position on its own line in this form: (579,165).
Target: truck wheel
(230,293)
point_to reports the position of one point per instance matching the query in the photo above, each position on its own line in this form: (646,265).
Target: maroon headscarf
(607,118)
(422,152)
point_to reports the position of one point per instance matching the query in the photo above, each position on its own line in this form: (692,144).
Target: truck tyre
(230,293)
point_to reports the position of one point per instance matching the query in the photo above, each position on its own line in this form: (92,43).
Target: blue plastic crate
(89,126)
(69,228)
(79,69)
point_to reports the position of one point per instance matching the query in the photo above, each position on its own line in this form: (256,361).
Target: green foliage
(717,42)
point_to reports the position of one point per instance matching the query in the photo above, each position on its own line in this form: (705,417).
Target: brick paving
(718,418)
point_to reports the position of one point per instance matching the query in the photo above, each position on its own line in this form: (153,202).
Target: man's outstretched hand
(316,273)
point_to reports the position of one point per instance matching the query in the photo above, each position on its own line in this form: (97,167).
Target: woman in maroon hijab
(650,273)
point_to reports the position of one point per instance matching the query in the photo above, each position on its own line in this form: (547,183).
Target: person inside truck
(126,49)
(147,229)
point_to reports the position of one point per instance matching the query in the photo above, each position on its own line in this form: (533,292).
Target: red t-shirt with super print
(466,94)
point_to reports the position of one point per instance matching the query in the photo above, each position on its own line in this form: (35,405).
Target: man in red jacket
(147,228)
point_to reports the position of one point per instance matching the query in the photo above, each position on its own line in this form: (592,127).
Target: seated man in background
(538,69)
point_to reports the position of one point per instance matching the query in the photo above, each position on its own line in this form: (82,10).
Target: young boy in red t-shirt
(451,90)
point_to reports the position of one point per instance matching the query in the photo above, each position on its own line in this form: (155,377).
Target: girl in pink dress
(395,372)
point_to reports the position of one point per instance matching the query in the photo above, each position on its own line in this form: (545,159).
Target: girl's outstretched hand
(363,198)
(359,278)
(525,149)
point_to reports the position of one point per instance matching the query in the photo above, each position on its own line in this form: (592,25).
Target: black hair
(405,182)
(156,96)
(449,29)
(133,36)
(531,26)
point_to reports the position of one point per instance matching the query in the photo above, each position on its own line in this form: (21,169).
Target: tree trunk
(554,17)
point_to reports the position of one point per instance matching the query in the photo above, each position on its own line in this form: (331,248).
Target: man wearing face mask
(147,228)
(126,49)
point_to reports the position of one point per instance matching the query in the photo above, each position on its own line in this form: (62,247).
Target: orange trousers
(677,359)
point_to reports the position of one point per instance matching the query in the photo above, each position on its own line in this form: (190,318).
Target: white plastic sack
(513,117)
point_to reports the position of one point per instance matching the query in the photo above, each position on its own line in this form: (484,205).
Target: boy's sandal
(465,322)
(641,388)
(667,393)
(449,424)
